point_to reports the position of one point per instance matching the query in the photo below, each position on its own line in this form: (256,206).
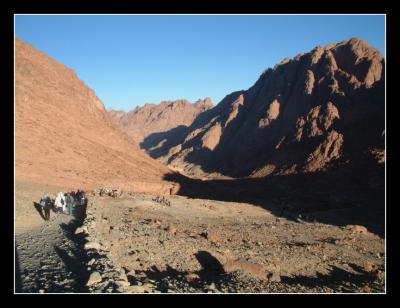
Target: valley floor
(196,245)
(185,245)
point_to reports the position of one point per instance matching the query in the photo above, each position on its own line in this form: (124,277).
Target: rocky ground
(143,243)
(49,258)
(203,246)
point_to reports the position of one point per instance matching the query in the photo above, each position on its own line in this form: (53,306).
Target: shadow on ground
(338,279)
(339,197)
(74,258)
(356,279)
(18,282)
(70,252)
(211,272)
(39,209)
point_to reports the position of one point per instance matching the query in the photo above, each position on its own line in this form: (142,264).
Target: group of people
(64,203)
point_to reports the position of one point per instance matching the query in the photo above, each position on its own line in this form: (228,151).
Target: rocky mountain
(318,110)
(144,121)
(64,135)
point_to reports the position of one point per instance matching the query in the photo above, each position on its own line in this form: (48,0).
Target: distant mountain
(318,110)
(64,136)
(154,119)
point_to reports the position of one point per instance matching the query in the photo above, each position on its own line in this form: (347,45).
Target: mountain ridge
(153,118)
(307,113)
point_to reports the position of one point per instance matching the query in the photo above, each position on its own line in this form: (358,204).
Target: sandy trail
(49,257)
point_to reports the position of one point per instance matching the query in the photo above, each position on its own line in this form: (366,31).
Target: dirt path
(49,258)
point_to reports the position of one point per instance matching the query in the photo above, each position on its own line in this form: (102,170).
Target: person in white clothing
(60,202)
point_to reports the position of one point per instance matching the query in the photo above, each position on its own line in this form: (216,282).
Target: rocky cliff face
(315,111)
(64,136)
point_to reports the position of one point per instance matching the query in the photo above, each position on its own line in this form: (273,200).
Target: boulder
(139,289)
(92,245)
(192,277)
(171,229)
(214,237)
(131,274)
(273,277)
(94,278)
(357,229)
(243,265)
(82,229)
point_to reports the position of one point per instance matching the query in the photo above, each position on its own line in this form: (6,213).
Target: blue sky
(133,60)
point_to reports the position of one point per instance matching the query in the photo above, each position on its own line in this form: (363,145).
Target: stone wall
(104,276)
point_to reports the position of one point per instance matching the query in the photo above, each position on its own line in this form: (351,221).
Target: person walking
(60,202)
(47,209)
(70,203)
(45,204)
(83,198)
